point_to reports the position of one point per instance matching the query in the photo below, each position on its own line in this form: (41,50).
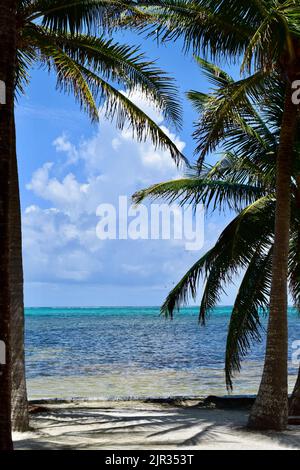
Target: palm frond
(186,288)
(232,252)
(243,170)
(122,110)
(86,66)
(195,190)
(200,24)
(25,59)
(252,299)
(70,78)
(74,16)
(258,30)
(216,76)
(239,245)
(256,50)
(227,109)
(122,64)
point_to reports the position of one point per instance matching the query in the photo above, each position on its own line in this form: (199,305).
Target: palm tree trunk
(270,410)
(7,76)
(20,419)
(295,398)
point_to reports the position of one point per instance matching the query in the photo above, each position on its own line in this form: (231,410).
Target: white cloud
(62,144)
(60,242)
(145,105)
(68,194)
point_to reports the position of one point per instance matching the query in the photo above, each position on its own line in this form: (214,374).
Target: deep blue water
(117,352)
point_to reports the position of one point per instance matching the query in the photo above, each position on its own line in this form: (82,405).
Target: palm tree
(267,34)
(20,416)
(67,38)
(7,73)
(245,245)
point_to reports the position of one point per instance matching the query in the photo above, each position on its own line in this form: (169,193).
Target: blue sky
(67,168)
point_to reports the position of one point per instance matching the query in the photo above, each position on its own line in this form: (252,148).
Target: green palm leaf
(233,251)
(200,24)
(123,111)
(252,298)
(74,16)
(196,190)
(95,69)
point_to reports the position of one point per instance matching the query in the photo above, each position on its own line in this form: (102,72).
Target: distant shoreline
(226,401)
(190,307)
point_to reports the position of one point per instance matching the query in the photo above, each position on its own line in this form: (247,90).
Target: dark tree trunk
(20,419)
(270,410)
(7,146)
(295,399)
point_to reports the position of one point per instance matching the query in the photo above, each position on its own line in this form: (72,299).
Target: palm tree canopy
(265,33)
(67,37)
(243,180)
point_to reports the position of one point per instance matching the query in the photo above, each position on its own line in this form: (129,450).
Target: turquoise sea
(116,353)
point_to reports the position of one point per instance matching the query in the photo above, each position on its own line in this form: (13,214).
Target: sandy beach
(137,425)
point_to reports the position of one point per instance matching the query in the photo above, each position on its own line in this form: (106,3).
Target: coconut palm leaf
(115,62)
(58,34)
(195,190)
(236,247)
(227,109)
(74,16)
(259,31)
(119,108)
(200,25)
(233,251)
(252,299)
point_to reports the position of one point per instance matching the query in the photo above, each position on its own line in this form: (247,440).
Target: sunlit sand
(139,425)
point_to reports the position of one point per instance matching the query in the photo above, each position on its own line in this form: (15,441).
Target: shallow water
(133,352)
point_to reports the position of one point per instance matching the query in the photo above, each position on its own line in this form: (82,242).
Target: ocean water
(116,353)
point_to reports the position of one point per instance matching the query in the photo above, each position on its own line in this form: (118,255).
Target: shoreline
(153,399)
(210,401)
